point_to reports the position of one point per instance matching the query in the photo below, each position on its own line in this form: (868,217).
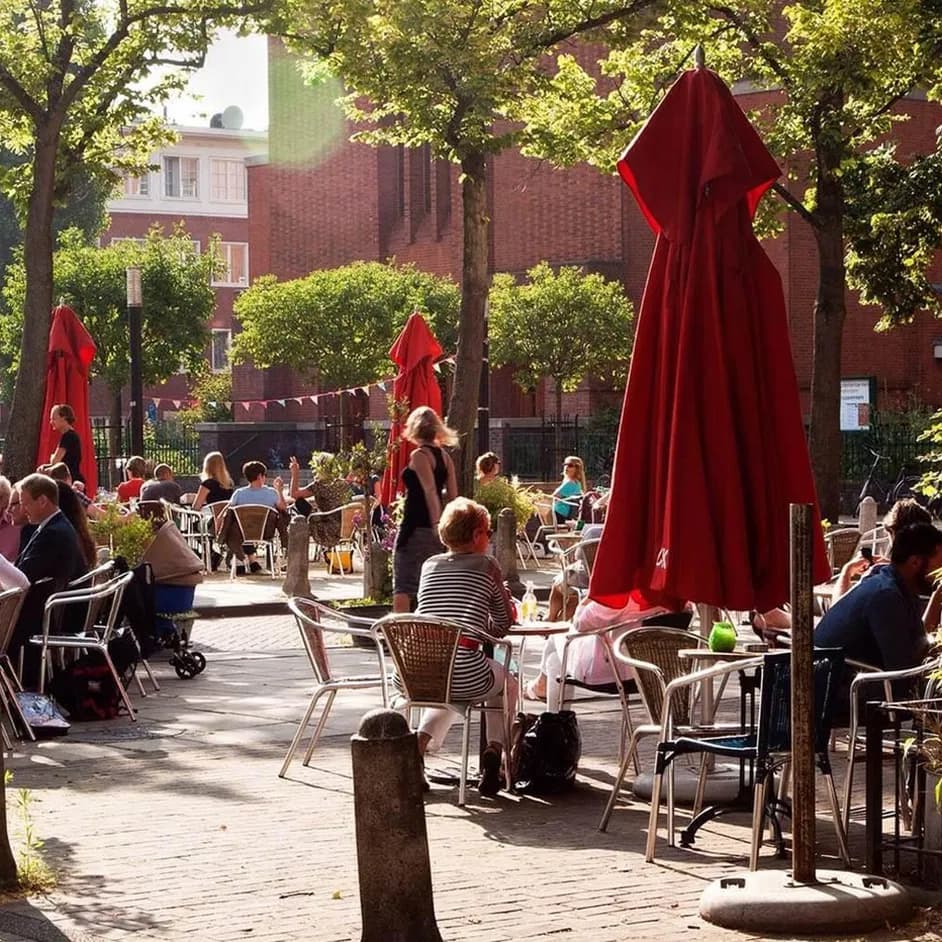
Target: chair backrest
(423,650)
(311,617)
(217,508)
(588,550)
(878,539)
(252,520)
(103,604)
(841,544)
(544,510)
(353,516)
(94,577)
(151,510)
(11,601)
(658,649)
(774,730)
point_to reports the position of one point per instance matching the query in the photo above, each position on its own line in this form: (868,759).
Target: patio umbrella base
(838,902)
(722,785)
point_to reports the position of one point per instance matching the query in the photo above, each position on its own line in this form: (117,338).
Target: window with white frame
(136,186)
(181,177)
(234,259)
(128,240)
(219,354)
(227,180)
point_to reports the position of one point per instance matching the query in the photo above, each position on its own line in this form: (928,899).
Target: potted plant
(499,493)
(127,535)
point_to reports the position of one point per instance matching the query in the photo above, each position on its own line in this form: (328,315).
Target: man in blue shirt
(257,493)
(879,621)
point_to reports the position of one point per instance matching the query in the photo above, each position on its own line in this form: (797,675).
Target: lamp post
(135,303)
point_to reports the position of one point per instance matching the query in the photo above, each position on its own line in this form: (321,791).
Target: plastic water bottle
(528,606)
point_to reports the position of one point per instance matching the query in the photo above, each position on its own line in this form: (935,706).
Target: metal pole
(484,393)
(136,403)
(802,696)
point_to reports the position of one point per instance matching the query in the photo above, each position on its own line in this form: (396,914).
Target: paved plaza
(177,827)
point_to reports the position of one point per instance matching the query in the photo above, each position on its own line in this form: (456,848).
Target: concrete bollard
(867,514)
(506,537)
(296,566)
(392,843)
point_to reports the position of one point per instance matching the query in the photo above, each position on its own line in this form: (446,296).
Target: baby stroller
(177,571)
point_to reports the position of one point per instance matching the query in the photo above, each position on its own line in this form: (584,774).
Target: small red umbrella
(414,352)
(71,351)
(711,448)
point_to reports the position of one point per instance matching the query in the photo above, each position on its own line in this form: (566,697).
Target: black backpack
(545,752)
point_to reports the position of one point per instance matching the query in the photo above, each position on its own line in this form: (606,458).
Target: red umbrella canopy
(711,447)
(71,351)
(414,352)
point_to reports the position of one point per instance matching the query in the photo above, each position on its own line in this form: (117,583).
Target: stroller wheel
(184,667)
(199,662)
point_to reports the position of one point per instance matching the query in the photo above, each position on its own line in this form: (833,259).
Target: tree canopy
(178,302)
(835,77)
(337,325)
(564,325)
(79,88)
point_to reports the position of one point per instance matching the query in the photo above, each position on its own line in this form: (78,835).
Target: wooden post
(506,545)
(802,696)
(296,564)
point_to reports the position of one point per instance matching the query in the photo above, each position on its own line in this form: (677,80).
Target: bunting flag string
(314,398)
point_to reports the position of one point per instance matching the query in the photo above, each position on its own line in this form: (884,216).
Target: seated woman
(573,485)
(487,467)
(465,585)
(136,469)
(216,484)
(587,659)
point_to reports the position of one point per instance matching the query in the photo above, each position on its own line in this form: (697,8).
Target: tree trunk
(28,394)
(8,868)
(462,408)
(829,315)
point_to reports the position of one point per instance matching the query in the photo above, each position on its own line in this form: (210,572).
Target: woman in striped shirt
(465,585)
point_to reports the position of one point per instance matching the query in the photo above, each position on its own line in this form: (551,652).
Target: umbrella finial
(699,57)
(61,300)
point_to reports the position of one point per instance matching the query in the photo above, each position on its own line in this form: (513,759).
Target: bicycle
(873,486)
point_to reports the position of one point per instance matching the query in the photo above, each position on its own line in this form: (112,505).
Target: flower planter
(932,837)
(362,616)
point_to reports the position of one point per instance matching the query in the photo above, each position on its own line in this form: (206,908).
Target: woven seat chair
(254,522)
(841,545)
(192,526)
(878,540)
(151,510)
(653,653)
(11,603)
(313,620)
(423,650)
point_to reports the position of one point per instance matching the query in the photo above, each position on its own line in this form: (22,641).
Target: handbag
(544,752)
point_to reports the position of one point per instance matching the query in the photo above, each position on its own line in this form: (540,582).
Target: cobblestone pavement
(177,827)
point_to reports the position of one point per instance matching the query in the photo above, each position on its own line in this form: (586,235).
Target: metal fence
(164,443)
(535,453)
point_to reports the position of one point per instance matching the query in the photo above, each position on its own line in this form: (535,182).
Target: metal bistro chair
(192,525)
(768,747)
(313,620)
(103,610)
(11,603)
(841,545)
(423,650)
(254,521)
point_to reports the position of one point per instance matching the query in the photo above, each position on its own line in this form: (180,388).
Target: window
(235,262)
(219,355)
(227,180)
(136,186)
(181,177)
(128,240)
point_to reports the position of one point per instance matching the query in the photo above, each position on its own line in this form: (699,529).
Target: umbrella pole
(803,901)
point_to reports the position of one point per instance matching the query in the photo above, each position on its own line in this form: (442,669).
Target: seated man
(257,492)
(162,486)
(879,622)
(53,552)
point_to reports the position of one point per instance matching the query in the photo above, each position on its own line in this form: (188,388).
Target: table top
(539,629)
(705,654)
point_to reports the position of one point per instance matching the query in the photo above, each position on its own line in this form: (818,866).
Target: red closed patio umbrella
(414,352)
(71,351)
(711,447)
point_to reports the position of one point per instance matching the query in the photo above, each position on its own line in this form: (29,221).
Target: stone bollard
(392,843)
(296,566)
(867,515)
(507,550)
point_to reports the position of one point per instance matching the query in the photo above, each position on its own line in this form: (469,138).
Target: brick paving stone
(178,828)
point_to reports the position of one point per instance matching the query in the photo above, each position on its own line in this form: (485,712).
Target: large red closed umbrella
(414,352)
(711,448)
(71,351)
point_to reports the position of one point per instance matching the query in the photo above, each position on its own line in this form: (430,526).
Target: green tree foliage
(564,325)
(212,393)
(178,302)
(78,90)
(444,73)
(338,324)
(835,71)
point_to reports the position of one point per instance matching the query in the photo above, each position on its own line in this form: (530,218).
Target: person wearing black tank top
(430,483)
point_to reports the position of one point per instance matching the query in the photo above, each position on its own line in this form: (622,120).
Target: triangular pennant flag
(228,405)
(247,406)
(315,399)
(382,386)
(299,399)
(280,402)
(437,367)
(365,389)
(176,403)
(211,404)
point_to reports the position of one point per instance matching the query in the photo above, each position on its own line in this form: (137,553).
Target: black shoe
(255,567)
(490,782)
(214,560)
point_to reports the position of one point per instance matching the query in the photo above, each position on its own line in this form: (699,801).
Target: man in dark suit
(53,553)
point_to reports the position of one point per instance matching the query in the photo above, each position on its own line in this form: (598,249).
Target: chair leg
(619,780)
(838,823)
(299,733)
(150,674)
(761,794)
(121,688)
(670,804)
(655,812)
(701,786)
(465,749)
(321,723)
(849,782)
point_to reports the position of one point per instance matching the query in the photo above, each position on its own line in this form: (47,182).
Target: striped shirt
(467,588)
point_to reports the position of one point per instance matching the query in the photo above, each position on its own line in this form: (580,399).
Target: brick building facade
(321,201)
